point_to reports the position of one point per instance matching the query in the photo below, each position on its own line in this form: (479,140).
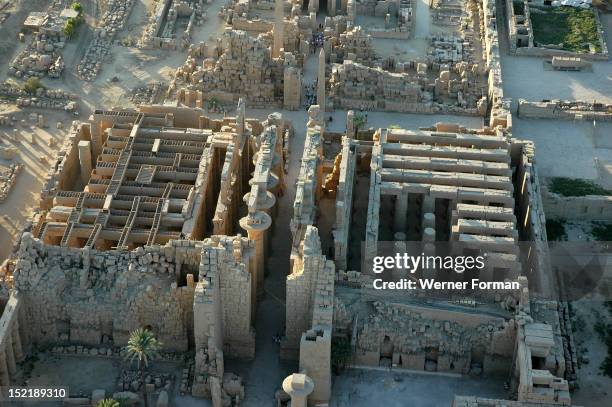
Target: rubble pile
(7,180)
(148,94)
(44,98)
(42,57)
(353,44)
(243,68)
(111,22)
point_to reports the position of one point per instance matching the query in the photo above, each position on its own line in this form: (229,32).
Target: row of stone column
(261,202)
(427,221)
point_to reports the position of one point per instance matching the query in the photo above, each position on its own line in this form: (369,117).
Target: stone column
(256,224)
(321,83)
(85,160)
(298,386)
(350,124)
(430,250)
(331,7)
(240,117)
(429,204)
(429,235)
(401,211)
(265,202)
(278,28)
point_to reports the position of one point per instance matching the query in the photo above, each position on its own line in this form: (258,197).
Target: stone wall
(579,208)
(565,110)
(432,339)
(410,87)
(344,204)
(500,105)
(315,342)
(66,169)
(531,221)
(91,297)
(223,310)
(13,338)
(301,284)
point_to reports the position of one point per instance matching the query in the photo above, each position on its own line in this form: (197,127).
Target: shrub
(602,232)
(32,84)
(569,26)
(78,7)
(576,187)
(69,28)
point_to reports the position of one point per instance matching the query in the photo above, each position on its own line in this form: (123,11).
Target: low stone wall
(500,105)
(251,25)
(564,110)
(389,34)
(541,52)
(43,98)
(582,208)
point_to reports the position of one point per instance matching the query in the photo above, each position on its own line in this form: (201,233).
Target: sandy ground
(560,142)
(82,375)
(366,388)
(37,159)
(525,77)
(406,50)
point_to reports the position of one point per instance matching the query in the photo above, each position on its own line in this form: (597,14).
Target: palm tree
(108,403)
(142,346)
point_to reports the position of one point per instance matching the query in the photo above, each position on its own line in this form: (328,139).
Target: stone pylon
(278,28)
(321,82)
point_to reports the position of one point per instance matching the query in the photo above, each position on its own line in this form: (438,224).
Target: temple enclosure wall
(580,208)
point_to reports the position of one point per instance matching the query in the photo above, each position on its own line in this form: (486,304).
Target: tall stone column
(278,28)
(298,386)
(321,83)
(350,124)
(401,211)
(240,117)
(331,7)
(256,224)
(85,160)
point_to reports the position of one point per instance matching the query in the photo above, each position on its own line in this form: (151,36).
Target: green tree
(32,84)
(78,7)
(359,121)
(142,346)
(69,28)
(108,403)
